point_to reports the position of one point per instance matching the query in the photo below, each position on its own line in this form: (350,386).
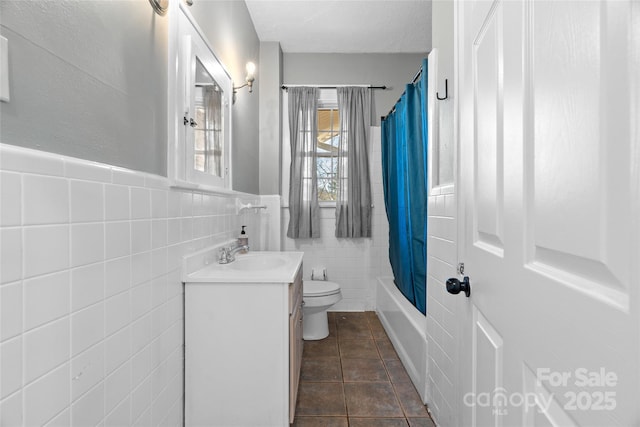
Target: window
(328,120)
(327,153)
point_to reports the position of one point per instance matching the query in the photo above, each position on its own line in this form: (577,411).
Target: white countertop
(254,267)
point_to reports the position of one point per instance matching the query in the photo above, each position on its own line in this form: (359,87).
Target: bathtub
(406,328)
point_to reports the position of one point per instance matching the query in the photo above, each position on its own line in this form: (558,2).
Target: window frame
(327,99)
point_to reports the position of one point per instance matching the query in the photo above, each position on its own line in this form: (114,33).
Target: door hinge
(461,268)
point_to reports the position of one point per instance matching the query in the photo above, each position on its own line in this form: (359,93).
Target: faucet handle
(224,255)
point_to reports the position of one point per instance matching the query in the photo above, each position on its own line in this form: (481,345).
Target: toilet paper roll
(319,273)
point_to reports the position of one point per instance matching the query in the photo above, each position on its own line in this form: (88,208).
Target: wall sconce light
(160,6)
(251,71)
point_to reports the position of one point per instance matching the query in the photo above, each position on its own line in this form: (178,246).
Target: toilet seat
(319,288)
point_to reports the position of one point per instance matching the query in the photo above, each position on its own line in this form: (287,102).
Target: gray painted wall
(270,122)
(393,70)
(89,80)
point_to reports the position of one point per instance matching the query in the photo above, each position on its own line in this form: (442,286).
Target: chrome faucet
(228,255)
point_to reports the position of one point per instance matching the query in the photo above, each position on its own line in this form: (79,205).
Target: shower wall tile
(90,294)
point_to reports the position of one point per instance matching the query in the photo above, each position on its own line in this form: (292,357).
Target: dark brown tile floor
(353,378)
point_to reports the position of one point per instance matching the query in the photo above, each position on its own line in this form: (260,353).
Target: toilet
(317,296)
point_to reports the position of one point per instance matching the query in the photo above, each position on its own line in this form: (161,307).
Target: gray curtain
(304,211)
(353,205)
(213,130)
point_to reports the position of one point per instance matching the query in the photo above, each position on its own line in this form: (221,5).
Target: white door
(549,131)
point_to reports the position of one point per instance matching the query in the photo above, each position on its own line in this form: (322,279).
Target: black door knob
(454,286)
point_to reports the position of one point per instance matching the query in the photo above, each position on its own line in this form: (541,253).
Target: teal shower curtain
(405,182)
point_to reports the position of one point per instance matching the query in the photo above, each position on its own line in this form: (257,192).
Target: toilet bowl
(318,296)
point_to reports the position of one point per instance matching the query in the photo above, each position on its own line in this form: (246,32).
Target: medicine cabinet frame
(190,53)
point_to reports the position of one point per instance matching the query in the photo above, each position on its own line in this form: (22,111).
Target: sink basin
(254,267)
(252,262)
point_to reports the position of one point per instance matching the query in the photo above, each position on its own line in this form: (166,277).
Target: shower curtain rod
(415,79)
(285,87)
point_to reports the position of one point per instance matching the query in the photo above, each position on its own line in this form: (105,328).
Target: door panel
(550,207)
(488,134)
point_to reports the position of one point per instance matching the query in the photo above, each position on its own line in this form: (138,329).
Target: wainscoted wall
(441,322)
(353,263)
(91,326)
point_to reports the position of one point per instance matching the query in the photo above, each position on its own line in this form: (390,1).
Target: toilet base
(315,325)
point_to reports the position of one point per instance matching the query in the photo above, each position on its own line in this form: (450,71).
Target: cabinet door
(205,91)
(295,344)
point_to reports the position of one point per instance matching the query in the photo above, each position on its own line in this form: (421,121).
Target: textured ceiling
(345,26)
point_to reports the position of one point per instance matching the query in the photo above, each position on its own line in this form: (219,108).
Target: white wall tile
(70,282)
(159,233)
(117,349)
(63,419)
(117,387)
(46,249)
(140,335)
(10,310)
(85,170)
(10,255)
(87,285)
(46,298)
(140,268)
(10,199)
(87,201)
(117,276)
(159,199)
(20,159)
(158,262)
(45,200)
(117,312)
(11,410)
(117,239)
(47,396)
(141,365)
(87,243)
(141,399)
(121,415)
(87,370)
(89,409)
(127,177)
(45,348)
(140,236)
(140,203)
(87,328)
(116,202)
(11,366)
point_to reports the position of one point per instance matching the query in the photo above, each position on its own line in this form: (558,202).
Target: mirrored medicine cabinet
(200,113)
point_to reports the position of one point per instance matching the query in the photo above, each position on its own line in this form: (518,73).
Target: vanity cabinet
(243,351)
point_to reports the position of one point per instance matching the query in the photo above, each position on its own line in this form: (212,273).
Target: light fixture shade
(251,69)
